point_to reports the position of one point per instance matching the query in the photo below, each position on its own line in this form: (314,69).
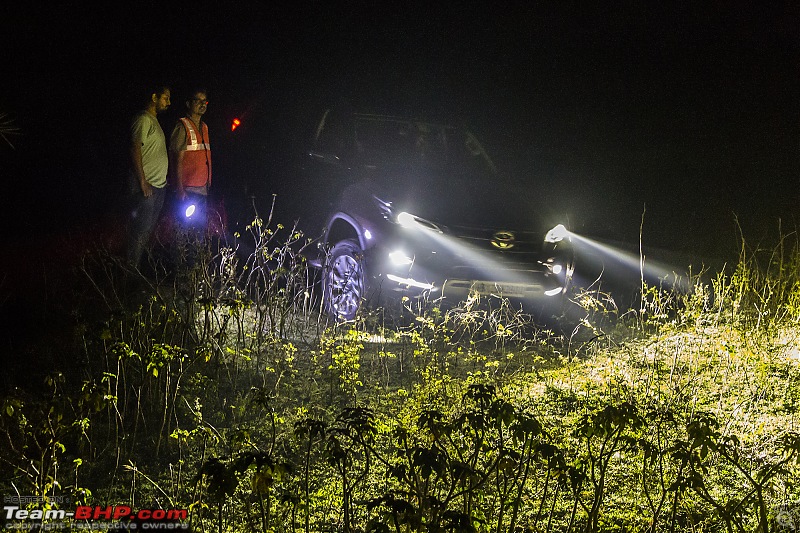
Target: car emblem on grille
(503,240)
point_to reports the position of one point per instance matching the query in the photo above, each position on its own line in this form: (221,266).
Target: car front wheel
(344,280)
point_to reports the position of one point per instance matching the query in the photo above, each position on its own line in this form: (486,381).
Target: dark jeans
(144,216)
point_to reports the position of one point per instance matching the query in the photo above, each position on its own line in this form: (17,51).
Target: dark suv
(417,209)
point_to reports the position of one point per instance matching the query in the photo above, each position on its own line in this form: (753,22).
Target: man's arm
(180,175)
(136,158)
(177,145)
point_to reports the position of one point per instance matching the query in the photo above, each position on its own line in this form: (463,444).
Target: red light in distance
(235,124)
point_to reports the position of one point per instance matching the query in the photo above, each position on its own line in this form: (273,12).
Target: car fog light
(190,210)
(410,282)
(399,258)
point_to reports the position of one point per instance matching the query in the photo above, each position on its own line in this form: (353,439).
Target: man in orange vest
(191,152)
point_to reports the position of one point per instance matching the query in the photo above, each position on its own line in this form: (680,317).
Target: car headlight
(407,220)
(557,234)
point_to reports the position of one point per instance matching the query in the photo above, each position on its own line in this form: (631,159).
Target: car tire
(344,281)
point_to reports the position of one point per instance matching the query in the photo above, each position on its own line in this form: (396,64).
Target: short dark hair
(157,89)
(194,91)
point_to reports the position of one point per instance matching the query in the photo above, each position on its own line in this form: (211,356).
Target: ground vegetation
(212,383)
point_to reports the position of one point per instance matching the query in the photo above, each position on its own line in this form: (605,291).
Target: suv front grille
(511,259)
(506,242)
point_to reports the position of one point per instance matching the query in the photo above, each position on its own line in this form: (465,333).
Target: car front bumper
(402,268)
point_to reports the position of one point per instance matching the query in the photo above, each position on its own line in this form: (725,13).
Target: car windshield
(402,144)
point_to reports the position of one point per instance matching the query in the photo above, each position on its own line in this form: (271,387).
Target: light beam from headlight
(399,258)
(648,268)
(472,255)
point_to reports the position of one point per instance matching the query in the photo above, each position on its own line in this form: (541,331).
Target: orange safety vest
(197,159)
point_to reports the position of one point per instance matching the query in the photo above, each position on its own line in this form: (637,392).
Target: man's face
(162,101)
(198,104)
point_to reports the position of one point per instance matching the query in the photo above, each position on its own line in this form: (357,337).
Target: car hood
(487,203)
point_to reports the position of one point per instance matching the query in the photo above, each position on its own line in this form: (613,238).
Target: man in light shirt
(149,173)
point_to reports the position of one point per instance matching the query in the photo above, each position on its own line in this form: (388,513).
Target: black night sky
(690,109)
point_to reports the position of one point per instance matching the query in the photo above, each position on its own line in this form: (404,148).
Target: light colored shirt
(155,162)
